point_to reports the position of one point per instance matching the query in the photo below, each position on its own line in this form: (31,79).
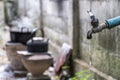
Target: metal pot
(21,35)
(37,45)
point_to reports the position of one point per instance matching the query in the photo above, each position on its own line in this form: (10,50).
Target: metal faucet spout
(96,30)
(111,23)
(100,28)
(89,34)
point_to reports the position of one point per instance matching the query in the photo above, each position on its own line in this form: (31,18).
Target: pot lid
(22,29)
(37,40)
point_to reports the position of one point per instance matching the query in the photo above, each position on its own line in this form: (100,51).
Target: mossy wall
(102,51)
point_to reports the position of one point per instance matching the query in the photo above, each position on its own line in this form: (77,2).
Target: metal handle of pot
(47,40)
(33,32)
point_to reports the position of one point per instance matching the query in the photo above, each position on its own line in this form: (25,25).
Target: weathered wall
(3,34)
(1,13)
(103,50)
(57,19)
(58,22)
(22,13)
(29,13)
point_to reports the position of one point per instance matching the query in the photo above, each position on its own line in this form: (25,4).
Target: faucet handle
(94,20)
(90,14)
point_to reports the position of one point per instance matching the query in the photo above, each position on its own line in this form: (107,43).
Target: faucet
(96,27)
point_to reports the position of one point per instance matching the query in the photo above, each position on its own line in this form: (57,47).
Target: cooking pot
(37,44)
(22,35)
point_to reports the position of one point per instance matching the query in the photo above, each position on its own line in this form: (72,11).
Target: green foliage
(65,67)
(83,75)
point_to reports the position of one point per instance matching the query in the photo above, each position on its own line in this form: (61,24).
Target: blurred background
(57,19)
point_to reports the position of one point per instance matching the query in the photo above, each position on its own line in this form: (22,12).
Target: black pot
(37,45)
(22,36)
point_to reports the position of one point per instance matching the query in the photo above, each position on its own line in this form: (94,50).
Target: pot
(37,64)
(37,44)
(21,35)
(13,56)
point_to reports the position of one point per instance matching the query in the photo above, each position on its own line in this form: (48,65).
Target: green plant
(82,75)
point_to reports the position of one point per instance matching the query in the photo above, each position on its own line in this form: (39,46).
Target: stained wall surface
(58,22)
(102,51)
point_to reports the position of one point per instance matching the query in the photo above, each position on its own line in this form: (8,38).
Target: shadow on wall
(60,7)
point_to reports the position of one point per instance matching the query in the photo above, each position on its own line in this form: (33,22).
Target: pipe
(113,22)
(96,30)
(109,24)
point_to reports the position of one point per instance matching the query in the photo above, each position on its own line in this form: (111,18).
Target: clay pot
(37,64)
(13,57)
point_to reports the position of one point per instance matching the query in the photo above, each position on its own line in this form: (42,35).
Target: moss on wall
(102,51)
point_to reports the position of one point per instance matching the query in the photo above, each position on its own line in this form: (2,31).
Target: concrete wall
(1,13)
(58,22)
(57,19)
(102,51)
(22,13)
